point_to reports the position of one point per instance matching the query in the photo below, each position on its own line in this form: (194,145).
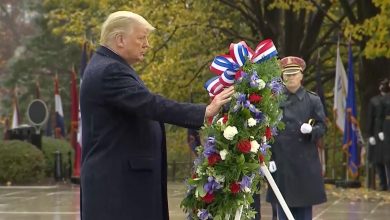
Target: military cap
(292,65)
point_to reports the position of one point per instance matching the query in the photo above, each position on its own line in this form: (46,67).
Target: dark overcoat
(124,165)
(374,123)
(385,126)
(298,174)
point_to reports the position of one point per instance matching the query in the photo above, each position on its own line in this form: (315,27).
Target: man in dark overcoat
(384,128)
(377,148)
(124,164)
(298,168)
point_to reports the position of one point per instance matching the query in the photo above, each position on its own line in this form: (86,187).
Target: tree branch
(348,10)
(195,75)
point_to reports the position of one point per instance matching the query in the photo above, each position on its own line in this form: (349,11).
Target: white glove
(306,128)
(272,166)
(372,141)
(381,136)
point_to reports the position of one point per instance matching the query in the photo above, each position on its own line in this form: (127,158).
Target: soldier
(384,128)
(376,144)
(298,173)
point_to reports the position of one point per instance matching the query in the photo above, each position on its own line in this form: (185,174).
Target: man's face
(293,81)
(135,44)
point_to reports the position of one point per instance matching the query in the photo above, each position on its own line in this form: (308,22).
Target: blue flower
(251,107)
(259,116)
(211,185)
(276,86)
(263,148)
(246,183)
(203,214)
(254,76)
(209,147)
(243,74)
(241,98)
(253,82)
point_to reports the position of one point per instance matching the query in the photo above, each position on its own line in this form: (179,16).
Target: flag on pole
(75,125)
(15,113)
(59,125)
(340,92)
(49,123)
(351,125)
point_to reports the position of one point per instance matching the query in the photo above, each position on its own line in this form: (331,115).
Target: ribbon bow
(228,66)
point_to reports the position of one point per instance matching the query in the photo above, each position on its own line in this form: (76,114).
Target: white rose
(246,189)
(220,121)
(223,154)
(251,122)
(254,146)
(261,84)
(230,132)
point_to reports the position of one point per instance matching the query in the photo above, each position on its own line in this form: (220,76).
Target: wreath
(227,171)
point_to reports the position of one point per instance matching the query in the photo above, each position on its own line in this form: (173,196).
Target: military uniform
(299,172)
(376,151)
(385,127)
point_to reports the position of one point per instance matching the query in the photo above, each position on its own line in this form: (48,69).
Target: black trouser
(381,170)
(257,206)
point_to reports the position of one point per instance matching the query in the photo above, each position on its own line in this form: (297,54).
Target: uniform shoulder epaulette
(311,92)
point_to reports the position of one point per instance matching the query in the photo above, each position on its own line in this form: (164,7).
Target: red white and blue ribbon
(227,66)
(264,51)
(214,86)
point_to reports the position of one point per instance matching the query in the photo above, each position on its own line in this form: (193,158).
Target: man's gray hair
(120,22)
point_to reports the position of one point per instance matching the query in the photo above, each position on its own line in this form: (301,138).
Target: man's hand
(306,128)
(219,100)
(372,141)
(272,166)
(381,136)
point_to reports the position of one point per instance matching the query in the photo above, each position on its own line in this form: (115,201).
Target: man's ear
(119,40)
(301,76)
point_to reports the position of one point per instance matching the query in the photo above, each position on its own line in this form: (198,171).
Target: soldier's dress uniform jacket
(374,124)
(385,126)
(298,173)
(123,174)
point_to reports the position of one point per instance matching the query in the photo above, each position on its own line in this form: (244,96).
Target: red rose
(255,98)
(225,118)
(244,146)
(238,75)
(234,187)
(208,198)
(213,159)
(261,158)
(268,133)
(194,176)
